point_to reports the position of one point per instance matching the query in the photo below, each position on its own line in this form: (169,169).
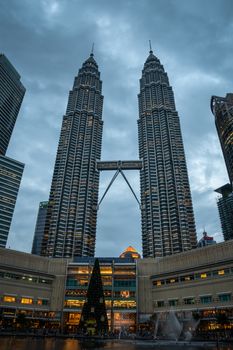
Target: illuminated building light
(9,299)
(26,301)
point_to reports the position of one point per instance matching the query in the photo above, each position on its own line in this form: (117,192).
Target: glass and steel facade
(11,95)
(70,228)
(168,225)
(10,177)
(222,108)
(39,230)
(119,284)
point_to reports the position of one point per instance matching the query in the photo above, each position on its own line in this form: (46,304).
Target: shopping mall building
(51,292)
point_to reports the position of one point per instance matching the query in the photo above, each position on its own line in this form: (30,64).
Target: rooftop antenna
(92,49)
(150,47)
(204,231)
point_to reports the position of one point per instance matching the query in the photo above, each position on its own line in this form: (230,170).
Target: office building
(10,177)
(40,227)
(225,209)
(70,228)
(222,108)
(168,225)
(205,240)
(11,95)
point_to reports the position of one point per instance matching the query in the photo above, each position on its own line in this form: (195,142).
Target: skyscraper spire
(92,49)
(151,51)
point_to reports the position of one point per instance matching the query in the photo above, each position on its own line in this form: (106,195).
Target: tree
(94,315)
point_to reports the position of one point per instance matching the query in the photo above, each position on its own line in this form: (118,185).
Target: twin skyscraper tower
(167,218)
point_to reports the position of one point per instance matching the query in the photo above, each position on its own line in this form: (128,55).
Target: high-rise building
(10,176)
(72,210)
(222,108)
(40,227)
(225,209)
(205,240)
(168,225)
(11,96)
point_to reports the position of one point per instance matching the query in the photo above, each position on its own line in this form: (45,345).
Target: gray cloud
(47,41)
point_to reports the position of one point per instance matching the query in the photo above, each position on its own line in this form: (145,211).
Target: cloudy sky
(47,41)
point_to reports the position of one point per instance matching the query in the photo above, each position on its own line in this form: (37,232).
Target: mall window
(26,301)
(206,299)
(105,270)
(221,272)
(224,297)
(118,304)
(124,283)
(158,283)
(9,299)
(106,280)
(108,304)
(78,270)
(73,281)
(107,292)
(160,303)
(202,275)
(124,271)
(74,303)
(124,294)
(42,302)
(189,301)
(173,302)
(77,292)
(187,278)
(171,280)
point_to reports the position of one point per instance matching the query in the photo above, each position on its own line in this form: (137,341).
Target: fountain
(192,326)
(169,326)
(155,319)
(172,328)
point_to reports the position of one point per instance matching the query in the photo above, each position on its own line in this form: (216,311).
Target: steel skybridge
(119,166)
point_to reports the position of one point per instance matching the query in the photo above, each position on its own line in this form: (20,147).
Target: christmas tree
(94,317)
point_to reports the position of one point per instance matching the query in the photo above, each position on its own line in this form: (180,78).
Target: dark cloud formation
(47,41)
